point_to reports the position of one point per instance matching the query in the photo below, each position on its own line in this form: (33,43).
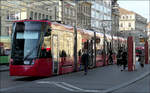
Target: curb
(126,84)
(4,69)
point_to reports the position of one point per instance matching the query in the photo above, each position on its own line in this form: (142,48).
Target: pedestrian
(124,60)
(141,59)
(110,59)
(119,58)
(85,61)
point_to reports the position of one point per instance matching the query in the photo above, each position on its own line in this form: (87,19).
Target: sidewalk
(4,68)
(103,79)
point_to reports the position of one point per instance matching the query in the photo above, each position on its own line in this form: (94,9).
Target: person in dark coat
(141,59)
(119,63)
(110,58)
(124,60)
(85,61)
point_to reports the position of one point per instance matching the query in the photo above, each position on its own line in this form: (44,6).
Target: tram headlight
(26,62)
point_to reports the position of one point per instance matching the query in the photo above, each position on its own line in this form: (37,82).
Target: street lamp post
(75,39)
(104,49)
(104,45)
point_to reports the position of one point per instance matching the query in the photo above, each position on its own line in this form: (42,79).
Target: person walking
(110,59)
(85,61)
(119,57)
(124,60)
(141,59)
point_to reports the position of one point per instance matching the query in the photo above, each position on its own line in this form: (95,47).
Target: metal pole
(62,12)
(75,42)
(94,49)
(75,49)
(104,51)
(112,25)
(55,13)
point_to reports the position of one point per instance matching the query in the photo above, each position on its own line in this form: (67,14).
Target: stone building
(131,23)
(20,10)
(101,15)
(63,11)
(84,14)
(148,30)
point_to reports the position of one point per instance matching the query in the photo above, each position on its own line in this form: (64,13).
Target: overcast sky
(141,7)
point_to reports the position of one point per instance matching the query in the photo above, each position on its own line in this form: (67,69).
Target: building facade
(101,15)
(84,14)
(148,30)
(115,18)
(55,10)
(20,10)
(131,23)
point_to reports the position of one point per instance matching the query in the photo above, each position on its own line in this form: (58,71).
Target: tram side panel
(99,50)
(64,53)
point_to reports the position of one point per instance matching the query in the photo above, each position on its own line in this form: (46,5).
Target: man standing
(124,59)
(110,58)
(141,59)
(85,60)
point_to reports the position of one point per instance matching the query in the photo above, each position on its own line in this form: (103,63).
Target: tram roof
(33,21)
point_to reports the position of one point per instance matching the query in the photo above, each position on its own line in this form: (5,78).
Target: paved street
(141,86)
(103,79)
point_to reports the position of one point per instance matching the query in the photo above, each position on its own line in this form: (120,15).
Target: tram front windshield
(25,42)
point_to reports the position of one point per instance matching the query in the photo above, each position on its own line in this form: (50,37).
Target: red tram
(43,48)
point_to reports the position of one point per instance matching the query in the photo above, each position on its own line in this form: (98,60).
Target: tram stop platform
(107,79)
(102,80)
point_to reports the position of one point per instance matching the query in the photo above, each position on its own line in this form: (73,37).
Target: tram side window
(46,49)
(63,54)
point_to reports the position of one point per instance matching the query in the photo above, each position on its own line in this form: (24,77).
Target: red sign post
(130,41)
(146,52)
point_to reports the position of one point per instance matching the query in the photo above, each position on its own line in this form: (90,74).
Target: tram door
(55,54)
(91,53)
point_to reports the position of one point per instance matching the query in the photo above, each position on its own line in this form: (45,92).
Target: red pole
(146,52)
(130,53)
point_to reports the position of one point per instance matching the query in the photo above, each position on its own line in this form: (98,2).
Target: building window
(129,24)
(50,17)
(66,9)
(43,16)
(46,16)
(121,25)
(127,17)
(35,16)
(123,17)
(7,31)
(130,17)
(31,14)
(73,12)
(7,13)
(39,16)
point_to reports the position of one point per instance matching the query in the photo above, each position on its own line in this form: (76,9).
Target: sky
(141,7)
